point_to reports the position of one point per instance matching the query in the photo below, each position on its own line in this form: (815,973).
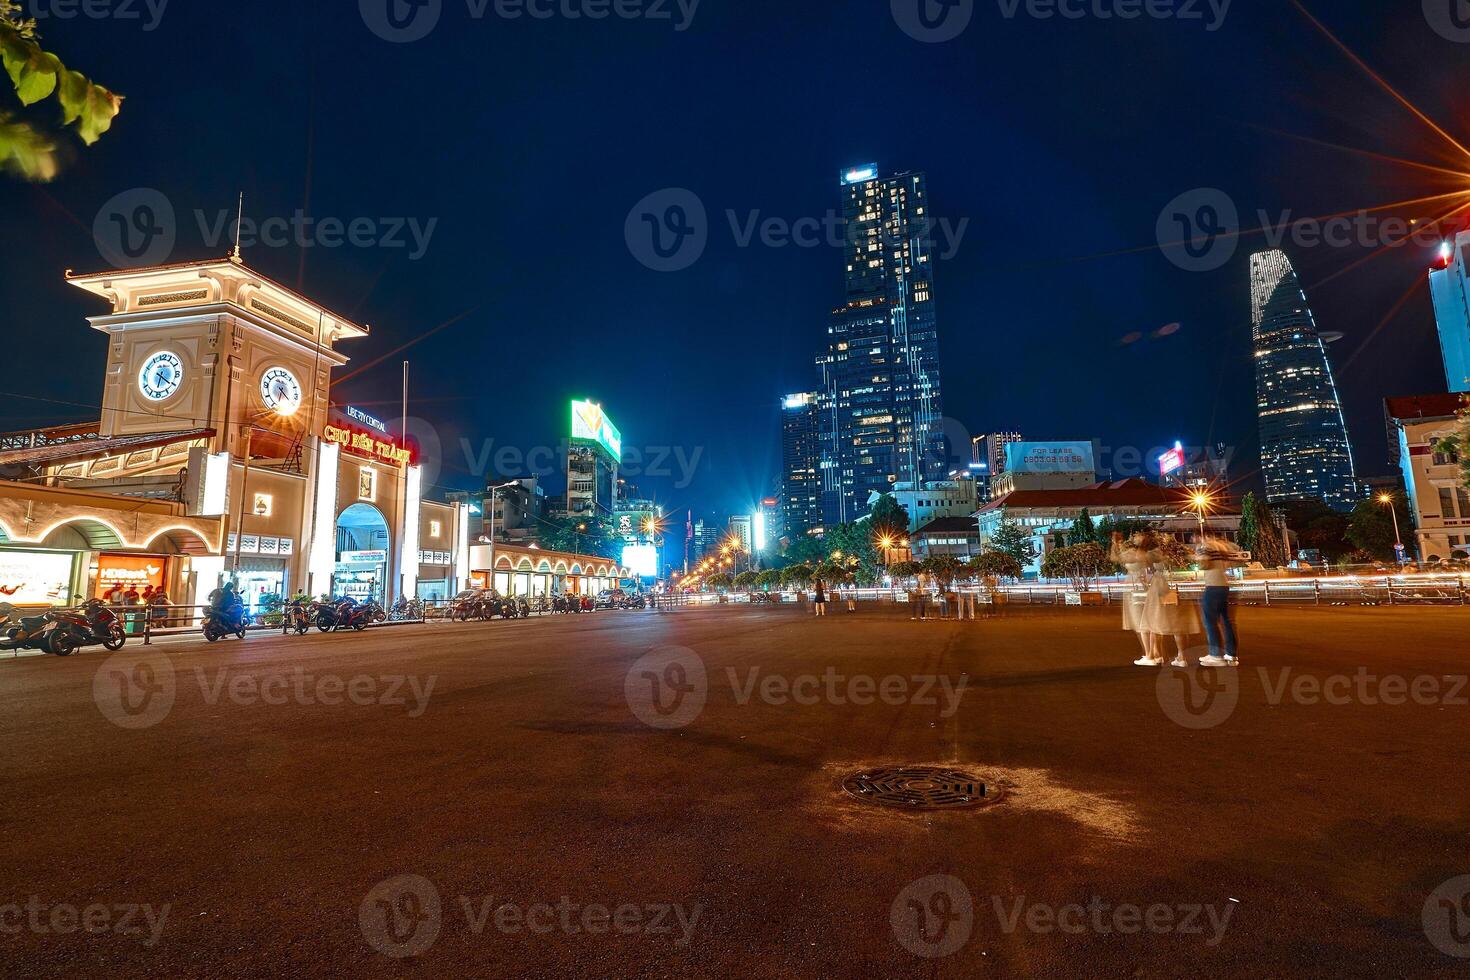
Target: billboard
(590,422)
(632,525)
(641,559)
(1172,461)
(1049,457)
(35,578)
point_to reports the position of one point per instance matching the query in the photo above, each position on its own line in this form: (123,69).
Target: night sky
(529,141)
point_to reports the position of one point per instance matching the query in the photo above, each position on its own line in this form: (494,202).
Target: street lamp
(1398,541)
(1200,501)
(493,491)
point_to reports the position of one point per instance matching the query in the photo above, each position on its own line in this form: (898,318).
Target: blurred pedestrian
(819,600)
(1216,557)
(1166,614)
(1133,555)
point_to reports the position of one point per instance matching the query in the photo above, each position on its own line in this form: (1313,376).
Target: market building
(218,452)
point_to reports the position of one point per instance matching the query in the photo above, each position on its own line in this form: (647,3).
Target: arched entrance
(362,553)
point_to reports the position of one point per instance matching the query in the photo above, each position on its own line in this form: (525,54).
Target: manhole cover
(919,788)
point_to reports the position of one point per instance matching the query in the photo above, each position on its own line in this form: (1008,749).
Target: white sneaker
(1213,661)
(1179,662)
(1147,662)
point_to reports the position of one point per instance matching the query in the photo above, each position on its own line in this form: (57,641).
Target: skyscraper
(801,462)
(988,457)
(1449,287)
(880,372)
(1304,445)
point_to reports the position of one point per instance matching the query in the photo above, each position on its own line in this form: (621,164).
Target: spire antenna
(239,220)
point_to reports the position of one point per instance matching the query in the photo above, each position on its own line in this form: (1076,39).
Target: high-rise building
(801,464)
(593,454)
(882,409)
(988,457)
(1304,445)
(1449,287)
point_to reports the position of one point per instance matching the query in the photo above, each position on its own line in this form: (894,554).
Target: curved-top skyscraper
(1304,445)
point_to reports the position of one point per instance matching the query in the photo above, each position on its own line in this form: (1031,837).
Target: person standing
(1215,559)
(1133,556)
(1166,614)
(819,599)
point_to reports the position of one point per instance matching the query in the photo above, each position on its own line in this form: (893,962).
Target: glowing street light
(1398,541)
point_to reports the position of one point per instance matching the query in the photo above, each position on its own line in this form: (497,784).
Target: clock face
(280,391)
(161,375)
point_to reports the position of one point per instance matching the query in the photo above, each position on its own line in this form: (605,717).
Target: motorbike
(406,609)
(219,624)
(92,623)
(348,613)
(298,613)
(29,632)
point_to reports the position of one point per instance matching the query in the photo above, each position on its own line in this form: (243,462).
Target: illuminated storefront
(536,572)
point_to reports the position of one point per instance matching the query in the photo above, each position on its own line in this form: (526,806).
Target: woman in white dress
(1136,560)
(1165,612)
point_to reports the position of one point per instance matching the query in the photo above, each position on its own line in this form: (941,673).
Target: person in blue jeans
(1216,558)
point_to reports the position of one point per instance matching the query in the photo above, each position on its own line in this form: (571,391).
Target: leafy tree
(1317,526)
(584,535)
(768,578)
(33,136)
(888,516)
(805,550)
(1259,534)
(1083,530)
(1370,526)
(746,580)
(1081,564)
(720,582)
(1456,445)
(901,570)
(854,541)
(1175,553)
(831,573)
(996,563)
(1013,539)
(944,568)
(798,576)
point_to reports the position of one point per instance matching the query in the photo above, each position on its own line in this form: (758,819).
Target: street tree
(721,582)
(996,564)
(901,570)
(1083,530)
(746,580)
(768,578)
(944,568)
(1080,564)
(1013,539)
(1259,534)
(1370,526)
(888,517)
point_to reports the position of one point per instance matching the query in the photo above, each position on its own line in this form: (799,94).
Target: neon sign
(590,422)
(370,444)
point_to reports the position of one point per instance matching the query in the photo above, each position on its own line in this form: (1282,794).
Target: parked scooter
(348,613)
(28,632)
(298,613)
(220,623)
(92,623)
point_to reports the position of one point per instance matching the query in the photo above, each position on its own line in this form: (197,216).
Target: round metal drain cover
(919,788)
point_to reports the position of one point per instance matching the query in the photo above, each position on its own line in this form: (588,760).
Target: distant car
(610,599)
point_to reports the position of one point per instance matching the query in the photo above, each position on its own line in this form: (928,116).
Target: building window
(1446,503)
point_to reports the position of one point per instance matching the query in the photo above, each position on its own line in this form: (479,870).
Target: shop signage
(1049,457)
(358,415)
(363,442)
(34,578)
(129,571)
(591,423)
(378,557)
(256,544)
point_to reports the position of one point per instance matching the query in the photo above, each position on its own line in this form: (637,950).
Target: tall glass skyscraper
(801,462)
(1449,287)
(1304,445)
(882,410)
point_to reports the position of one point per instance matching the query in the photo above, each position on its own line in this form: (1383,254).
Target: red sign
(365,442)
(1172,460)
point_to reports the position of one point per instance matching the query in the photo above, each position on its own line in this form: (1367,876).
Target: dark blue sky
(529,141)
